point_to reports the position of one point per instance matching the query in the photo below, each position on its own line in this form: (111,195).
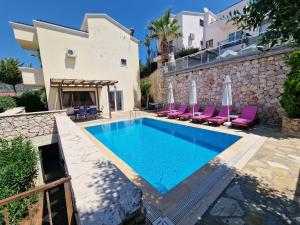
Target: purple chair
(221,117)
(165,112)
(208,113)
(182,109)
(247,116)
(189,115)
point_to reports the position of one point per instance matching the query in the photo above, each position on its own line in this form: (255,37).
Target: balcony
(32,77)
(25,35)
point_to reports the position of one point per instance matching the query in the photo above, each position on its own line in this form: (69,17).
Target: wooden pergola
(81,83)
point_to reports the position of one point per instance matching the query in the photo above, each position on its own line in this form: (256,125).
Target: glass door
(116,100)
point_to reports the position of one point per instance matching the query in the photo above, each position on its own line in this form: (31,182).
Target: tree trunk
(149,55)
(147,100)
(14,87)
(164,50)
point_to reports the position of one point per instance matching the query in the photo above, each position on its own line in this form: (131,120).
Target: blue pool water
(163,153)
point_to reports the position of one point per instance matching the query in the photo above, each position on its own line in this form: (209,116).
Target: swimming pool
(163,153)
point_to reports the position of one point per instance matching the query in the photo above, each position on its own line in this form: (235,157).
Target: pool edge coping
(133,176)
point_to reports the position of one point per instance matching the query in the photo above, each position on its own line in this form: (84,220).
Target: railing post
(49,208)
(69,205)
(5,212)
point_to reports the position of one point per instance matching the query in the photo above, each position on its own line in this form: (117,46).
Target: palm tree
(163,28)
(147,43)
(38,56)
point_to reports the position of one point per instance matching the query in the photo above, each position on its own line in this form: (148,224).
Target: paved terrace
(265,191)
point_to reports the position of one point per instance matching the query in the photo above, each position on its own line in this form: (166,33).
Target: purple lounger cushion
(165,112)
(208,112)
(222,116)
(247,116)
(182,109)
(189,115)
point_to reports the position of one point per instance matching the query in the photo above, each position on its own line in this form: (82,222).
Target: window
(210,43)
(171,46)
(78,98)
(234,36)
(201,43)
(201,22)
(238,35)
(123,62)
(231,37)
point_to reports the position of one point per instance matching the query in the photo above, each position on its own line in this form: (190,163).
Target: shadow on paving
(248,200)
(118,198)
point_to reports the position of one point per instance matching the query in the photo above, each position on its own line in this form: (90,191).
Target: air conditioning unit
(192,36)
(71,53)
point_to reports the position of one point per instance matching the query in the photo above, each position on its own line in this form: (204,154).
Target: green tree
(9,72)
(145,87)
(282,15)
(147,44)
(163,28)
(290,100)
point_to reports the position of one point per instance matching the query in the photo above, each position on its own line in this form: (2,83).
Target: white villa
(95,65)
(207,30)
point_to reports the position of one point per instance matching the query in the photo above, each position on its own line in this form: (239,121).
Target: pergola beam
(81,83)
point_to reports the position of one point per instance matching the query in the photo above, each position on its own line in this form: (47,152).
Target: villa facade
(207,30)
(95,65)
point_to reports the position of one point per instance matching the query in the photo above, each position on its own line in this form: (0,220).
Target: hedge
(6,103)
(18,170)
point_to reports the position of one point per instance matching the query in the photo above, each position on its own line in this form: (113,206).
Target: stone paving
(266,191)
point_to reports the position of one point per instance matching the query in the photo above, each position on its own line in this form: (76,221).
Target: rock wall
(29,125)
(256,79)
(291,126)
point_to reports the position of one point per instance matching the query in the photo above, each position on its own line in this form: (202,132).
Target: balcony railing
(238,48)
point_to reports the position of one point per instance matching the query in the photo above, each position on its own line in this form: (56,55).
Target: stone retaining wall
(256,79)
(291,126)
(29,125)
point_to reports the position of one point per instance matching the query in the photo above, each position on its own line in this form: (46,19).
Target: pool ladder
(134,113)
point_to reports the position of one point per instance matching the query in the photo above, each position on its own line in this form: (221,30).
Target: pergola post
(109,110)
(60,95)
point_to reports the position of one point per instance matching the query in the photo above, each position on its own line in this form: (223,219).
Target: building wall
(256,80)
(98,58)
(190,23)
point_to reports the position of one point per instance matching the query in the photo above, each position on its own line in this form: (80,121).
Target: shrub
(185,51)
(33,100)
(6,103)
(290,99)
(18,169)
(146,70)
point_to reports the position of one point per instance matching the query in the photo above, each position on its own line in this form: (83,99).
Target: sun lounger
(165,112)
(247,116)
(182,109)
(189,115)
(221,117)
(208,113)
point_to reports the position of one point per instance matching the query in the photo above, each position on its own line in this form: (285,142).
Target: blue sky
(130,13)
